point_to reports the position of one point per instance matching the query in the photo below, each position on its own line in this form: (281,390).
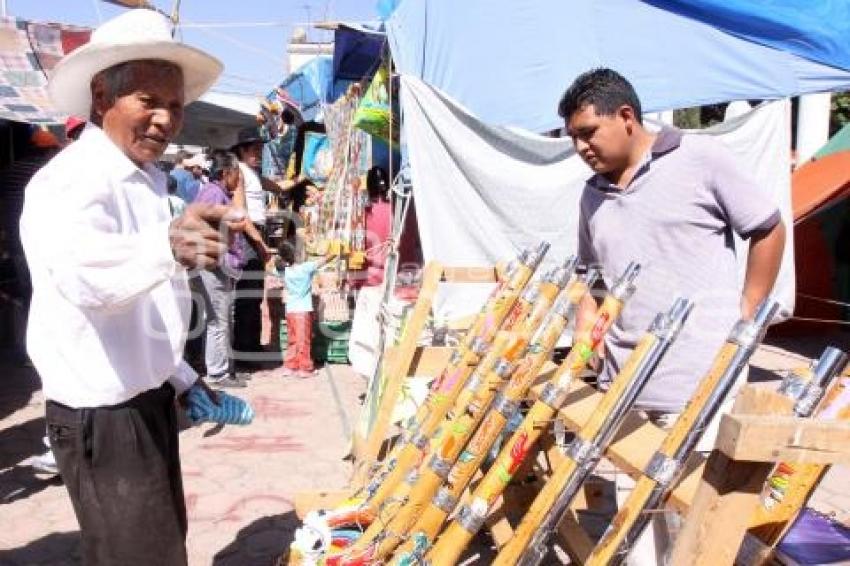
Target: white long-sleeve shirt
(110,306)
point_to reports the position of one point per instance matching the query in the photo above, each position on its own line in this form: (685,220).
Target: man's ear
(627,114)
(99,102)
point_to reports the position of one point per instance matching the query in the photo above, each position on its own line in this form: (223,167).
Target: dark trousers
(121,466)
(247,315)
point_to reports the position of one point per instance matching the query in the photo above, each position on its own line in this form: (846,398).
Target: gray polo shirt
(676,219)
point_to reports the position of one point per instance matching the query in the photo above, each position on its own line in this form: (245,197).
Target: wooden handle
(551,490)
(450,546)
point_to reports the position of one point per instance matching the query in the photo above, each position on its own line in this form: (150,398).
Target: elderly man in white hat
(110,307)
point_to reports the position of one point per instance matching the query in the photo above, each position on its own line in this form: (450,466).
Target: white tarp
(483,192)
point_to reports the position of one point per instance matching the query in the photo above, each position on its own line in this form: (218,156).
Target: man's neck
(642,143)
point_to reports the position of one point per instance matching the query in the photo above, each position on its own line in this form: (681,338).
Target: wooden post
(397,372)
(727,496)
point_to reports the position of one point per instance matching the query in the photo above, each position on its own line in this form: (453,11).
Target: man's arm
(280,187)
(763,263)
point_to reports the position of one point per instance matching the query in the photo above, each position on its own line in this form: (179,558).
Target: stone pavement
(240,481)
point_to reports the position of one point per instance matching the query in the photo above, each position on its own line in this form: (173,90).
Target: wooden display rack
(402,360)
(717,494)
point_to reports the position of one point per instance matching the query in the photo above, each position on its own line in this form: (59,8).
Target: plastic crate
(330,341)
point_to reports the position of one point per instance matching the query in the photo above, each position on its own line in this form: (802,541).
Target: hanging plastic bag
(374,114)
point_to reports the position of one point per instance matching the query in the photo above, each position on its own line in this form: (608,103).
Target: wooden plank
(430,360)
(307,501)
(498,525)
(401,363)
(728,495)
(635,443)
(469,274)
(790,439)
(577,542)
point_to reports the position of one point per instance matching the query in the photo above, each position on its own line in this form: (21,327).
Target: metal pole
(2,7)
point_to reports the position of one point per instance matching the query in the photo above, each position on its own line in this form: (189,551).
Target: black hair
(120,80)
(221,161)
(287,253)
(374,178)
(606,89)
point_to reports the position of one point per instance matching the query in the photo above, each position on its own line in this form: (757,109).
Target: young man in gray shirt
(670,202)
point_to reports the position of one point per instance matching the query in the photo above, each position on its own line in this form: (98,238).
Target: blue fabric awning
(513,64)
(357,52)
(815,29)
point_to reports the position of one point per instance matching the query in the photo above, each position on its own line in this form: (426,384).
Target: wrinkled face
(148,112)
(252,154)
(603,142)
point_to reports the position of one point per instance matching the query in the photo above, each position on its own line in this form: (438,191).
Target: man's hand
(182,400)
(196,239)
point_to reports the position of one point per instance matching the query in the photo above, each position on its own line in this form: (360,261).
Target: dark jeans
(247,315)
(121,466)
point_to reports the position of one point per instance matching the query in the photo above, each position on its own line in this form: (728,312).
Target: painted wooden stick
(459,533)
(665,466)
(448,385)
(528,546)
(791,484)
(472,452)
(469,408)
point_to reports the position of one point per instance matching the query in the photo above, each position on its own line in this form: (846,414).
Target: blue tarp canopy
(513,64)
(357,51)
(312,84)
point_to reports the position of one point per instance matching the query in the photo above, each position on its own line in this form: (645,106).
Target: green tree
(840,111)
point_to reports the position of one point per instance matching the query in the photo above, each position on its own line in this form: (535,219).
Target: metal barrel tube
(666,327)
(830,363)
(747,334)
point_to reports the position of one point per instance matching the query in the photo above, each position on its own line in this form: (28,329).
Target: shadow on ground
(21,482)
(260,543)
(20,441)
(17,384)
(55,549)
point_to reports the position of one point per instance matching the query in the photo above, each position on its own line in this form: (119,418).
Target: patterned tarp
(28,50)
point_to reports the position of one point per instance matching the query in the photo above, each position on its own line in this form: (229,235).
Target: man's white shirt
(110,307)
(255,196)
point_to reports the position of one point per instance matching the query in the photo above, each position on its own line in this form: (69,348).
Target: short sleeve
(585,252)
(746,205)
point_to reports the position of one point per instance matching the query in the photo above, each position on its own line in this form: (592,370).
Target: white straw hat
(135,34)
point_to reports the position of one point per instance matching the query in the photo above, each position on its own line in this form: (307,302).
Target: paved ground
(240,481)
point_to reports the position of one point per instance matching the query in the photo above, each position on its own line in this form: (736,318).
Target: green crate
(324,349)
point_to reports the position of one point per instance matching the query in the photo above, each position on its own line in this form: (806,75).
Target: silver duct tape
(479,346)
(580,450)
(504,368)
(745,334)
(419,440)
(474,381)
(505,406)
(552,395)
(470,520)
(444,501)
(662,469)
(440,466)
(793,386)
(805,405)
(530,295)
(412,476)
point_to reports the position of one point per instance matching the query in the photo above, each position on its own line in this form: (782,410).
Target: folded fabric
(230,409)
